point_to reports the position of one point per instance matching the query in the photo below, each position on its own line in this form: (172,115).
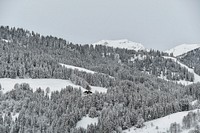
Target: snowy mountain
(182,49)
(124,43)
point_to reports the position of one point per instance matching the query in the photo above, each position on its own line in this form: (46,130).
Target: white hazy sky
(158,24)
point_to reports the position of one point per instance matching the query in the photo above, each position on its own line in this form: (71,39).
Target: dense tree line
(192,60)
(37,56)
(59,111)
(162,67)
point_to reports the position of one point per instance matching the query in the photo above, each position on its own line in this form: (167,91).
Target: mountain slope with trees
(135,94)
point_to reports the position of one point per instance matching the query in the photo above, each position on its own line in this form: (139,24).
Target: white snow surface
(98,89)
(81,69)
(5,40)
(182,49)
(54,84)
(196,76)
(163,124)
(138,57)
(85,121)
(78,68)
(194,102)
(124,43)
(13,115)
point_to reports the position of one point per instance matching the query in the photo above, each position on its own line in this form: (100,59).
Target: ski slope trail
(81,69)
(196,76)
(78,68)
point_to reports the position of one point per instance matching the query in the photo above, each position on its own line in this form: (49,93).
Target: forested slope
(134,94)
(192,60)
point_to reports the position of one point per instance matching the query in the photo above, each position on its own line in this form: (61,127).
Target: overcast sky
(158,24)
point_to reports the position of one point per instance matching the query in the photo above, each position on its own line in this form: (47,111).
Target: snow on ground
(196,76)
(163,77)
(81,69)
(124,43)
(163,124)
(54,84)
(78,68)
(85,121)
(138,57)
(194,102)
(98,89)
(182,49)
(14,116)
(5,40)
(184,82)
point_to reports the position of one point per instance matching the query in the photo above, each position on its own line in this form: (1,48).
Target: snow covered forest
(141,86)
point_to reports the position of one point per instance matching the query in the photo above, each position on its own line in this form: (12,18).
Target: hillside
(131,79)
(158,126)
(192,60)
(182,49)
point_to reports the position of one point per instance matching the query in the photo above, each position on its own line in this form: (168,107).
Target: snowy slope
(196,76)
(54,84)
(163,124)
(182,49)
(85,121)
(81,69)
(124,43)
(78,68)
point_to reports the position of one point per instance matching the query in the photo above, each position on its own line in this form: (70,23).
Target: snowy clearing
(54,84)
(78,68)
(82,69)
(85,121)
(163,123)
(182,49)
(98,89)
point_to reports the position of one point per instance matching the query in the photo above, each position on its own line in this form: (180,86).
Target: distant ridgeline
(135,93)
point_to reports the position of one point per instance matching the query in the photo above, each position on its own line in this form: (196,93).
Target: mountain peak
(122,43)
(182,49)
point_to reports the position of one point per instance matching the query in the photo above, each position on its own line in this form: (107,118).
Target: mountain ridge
(118,44)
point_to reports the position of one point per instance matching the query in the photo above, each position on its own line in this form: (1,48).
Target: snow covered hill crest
(182,49)
(124,43)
